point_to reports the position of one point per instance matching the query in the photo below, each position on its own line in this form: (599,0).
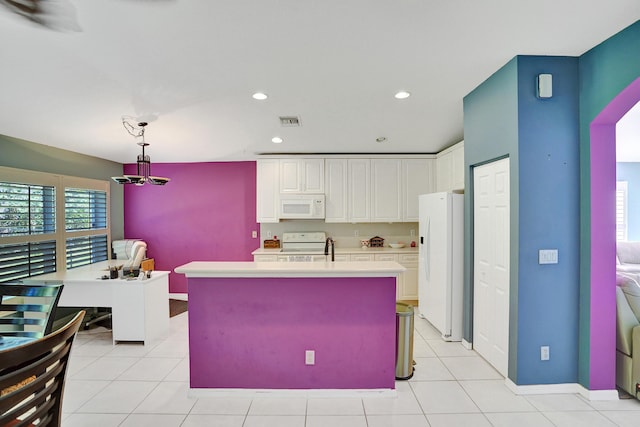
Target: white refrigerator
(440,262)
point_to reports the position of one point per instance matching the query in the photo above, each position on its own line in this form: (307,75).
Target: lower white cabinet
(406,287)
(265,258)
(409,285)
(361,257)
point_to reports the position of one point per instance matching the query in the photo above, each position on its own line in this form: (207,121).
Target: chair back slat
(32,378)
(28,310)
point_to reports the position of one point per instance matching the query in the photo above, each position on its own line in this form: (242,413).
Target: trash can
(404,341)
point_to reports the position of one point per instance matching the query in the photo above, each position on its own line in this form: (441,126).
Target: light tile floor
(136,385)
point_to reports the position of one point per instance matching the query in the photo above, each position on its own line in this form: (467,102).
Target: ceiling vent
(289,121)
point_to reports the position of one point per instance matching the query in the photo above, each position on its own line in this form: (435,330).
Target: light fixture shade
(158,180)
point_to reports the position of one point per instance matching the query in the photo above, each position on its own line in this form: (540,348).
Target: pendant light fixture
(144,161)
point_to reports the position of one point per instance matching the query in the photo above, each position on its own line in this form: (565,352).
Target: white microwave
(301,206)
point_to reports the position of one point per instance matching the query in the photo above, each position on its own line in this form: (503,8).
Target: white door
(491,251)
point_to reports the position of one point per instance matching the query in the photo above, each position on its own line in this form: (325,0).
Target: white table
(139,308)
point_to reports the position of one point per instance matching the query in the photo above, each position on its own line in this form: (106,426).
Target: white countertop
(338,251)
(291,269)
(87,272)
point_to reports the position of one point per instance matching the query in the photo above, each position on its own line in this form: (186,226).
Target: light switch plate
(548,256)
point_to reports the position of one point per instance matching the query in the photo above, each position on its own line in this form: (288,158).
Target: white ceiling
(189,67)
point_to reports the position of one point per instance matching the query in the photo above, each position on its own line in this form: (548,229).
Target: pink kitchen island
(267,327)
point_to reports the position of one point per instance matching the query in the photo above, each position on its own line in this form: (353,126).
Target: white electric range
(303,246)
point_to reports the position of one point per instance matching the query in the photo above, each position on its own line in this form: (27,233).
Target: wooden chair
(32,378)
(28,310)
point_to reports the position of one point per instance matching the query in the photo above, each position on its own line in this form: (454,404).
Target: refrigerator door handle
(427,248)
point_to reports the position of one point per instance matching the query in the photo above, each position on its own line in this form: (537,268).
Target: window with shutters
(621,210)
(85,210)
(50,222)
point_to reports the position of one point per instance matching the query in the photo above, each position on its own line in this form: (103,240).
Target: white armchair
(628,333)
(131,251)
(628,257)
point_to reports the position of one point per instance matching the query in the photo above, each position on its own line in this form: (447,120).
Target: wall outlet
(309,357)
(412,232)
(268,234)
(544,352)
(356,233)
(254,234)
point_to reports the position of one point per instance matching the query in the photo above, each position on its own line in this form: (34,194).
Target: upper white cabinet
(376,190)
(267,190)
(359,194)
(458,166)
(418,177)
(302,176)
(386,190)
(450,168)
(336,190)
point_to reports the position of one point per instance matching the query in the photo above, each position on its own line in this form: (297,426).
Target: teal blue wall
(503,117)
(17,153)
(490,133)
(630,172)
(548,142)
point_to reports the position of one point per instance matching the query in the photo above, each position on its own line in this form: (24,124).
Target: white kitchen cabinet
(385,257)
(458,166)
(267,190)
(361,257)
(359,193)
(302,176)
(418,177)
(408,286)
(265,258)
(386,190)
(336,190)
(450,168)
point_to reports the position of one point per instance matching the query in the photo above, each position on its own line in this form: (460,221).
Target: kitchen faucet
(326,249)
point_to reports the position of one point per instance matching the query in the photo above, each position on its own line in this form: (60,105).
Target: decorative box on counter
(271,244)
(376,242)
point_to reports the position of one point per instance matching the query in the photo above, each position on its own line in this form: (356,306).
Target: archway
(602,310)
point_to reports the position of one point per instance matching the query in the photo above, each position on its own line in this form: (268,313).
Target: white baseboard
(567,388)
(466,344)
(289,393)
(179,296)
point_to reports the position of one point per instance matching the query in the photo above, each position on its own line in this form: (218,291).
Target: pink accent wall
(603,245)
(206,213)
(253,332)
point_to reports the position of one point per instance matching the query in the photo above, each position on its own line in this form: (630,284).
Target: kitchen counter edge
(290,269)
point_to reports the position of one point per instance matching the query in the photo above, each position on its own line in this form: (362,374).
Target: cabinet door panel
(359,190)
(290,176)
(336,190)
(361,257)
(386,195)
(267,191)
(313,176)
(458,168)
(418,178)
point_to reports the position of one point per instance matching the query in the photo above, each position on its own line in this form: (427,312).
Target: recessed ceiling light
(402,95)
(259,96)
(276,140)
